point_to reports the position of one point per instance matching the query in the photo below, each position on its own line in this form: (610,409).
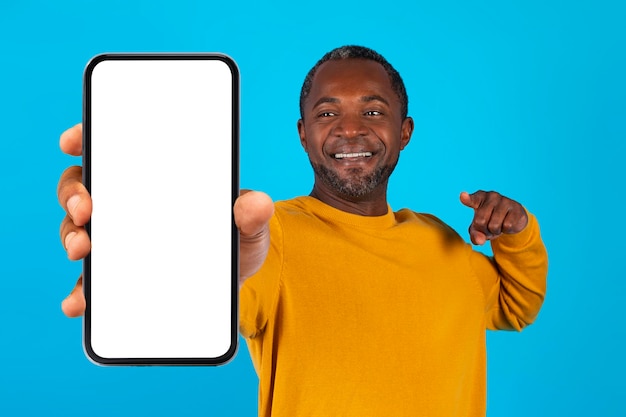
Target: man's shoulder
(426,220)
(292,212)
(409,215)
(296,203)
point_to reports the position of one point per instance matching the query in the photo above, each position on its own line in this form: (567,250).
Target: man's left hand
(494,214)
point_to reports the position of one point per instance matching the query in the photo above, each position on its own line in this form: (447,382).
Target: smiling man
(353,127)
(350,308)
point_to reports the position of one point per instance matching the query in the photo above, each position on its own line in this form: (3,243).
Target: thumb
(252,211)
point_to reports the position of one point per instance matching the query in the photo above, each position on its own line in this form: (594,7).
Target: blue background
(527,98)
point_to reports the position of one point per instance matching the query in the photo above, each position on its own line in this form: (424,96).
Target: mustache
(348,145)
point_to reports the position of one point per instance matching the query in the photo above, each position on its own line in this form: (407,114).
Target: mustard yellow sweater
(381,316)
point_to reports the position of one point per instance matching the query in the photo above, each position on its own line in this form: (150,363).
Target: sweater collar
(326,212)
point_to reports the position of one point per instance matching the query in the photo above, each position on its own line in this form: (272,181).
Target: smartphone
(160,160)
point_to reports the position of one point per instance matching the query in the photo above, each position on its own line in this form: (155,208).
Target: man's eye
(326,114)
(373,113)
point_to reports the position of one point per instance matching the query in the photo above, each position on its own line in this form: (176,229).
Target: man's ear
(407,131)
(302,135)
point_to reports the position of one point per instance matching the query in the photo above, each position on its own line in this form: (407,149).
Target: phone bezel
(87,96)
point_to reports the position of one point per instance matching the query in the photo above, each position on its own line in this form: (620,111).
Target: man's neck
(373,204)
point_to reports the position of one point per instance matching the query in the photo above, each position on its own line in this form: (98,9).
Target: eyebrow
(364,99)
(325,100)
(375,97)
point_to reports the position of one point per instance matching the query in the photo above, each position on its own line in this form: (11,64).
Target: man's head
(353,124)
(358,52)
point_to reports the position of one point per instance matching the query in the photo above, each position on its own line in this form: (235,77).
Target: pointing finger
(479,228)
(472,200)
(466,200)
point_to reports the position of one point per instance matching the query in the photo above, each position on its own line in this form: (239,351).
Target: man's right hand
(252,212)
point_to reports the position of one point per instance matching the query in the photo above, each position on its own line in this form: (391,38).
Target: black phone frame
(86,175)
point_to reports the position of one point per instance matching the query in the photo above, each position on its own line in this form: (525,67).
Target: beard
(356,184)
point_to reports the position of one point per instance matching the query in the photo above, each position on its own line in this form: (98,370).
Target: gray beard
(356,185)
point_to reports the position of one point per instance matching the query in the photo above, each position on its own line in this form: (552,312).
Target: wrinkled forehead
(350,78)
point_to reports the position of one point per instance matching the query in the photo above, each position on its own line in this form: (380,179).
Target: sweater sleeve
(258,294)
(514,279)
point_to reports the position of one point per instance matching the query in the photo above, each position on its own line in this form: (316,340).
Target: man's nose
(350,125)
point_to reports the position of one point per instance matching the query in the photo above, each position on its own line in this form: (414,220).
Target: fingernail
(69,238)
(72,203)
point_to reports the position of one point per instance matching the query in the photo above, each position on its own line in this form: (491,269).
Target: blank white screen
(161,163)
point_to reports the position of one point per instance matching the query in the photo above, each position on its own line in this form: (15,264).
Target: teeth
(352,155)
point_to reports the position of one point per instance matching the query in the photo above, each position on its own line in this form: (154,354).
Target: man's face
(352,128)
